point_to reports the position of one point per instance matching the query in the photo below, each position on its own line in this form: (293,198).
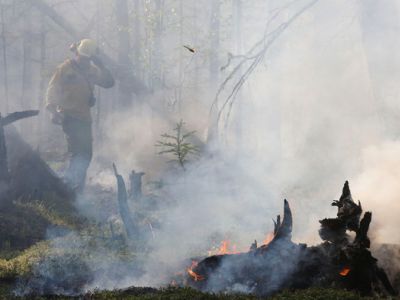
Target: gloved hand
(57,118)
(97,61)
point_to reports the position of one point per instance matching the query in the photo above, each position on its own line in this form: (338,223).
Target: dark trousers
(78,134)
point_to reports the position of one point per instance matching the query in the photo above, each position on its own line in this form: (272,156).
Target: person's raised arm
(103,76)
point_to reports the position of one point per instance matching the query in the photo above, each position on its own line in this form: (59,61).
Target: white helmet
(87,47)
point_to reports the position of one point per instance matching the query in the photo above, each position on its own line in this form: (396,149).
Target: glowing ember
(194,275)
(226,248)
(268,238)
(345,271)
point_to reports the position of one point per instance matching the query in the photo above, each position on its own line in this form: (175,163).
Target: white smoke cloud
(308,119)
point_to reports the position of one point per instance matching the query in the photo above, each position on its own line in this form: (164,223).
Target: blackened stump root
(282,264)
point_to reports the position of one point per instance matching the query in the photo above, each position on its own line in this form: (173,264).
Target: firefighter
(70,97)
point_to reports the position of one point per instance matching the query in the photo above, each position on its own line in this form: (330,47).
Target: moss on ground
(25,222)
(188,293)
(21,265)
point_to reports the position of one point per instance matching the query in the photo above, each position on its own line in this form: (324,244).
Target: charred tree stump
(282,264)
(256,269)
(124,210)
(135,191)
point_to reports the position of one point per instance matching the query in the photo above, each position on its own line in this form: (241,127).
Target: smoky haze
(320,108)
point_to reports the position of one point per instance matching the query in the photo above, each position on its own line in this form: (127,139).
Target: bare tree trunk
(214,42)
(26,85)
(136,39)
(97,127)
(43,53)
(157,50)
(212,135)
(5,63)
(4,174)
(124,49)
(381,44)
(27,60)
(196,75)
(237,21)
(43,78)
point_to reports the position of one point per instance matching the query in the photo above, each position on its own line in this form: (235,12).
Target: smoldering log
(282,264)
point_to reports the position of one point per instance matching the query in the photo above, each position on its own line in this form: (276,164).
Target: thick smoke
(309,120)
(312,115)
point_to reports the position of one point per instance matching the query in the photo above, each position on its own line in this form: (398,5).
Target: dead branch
(255,55)
(18,116)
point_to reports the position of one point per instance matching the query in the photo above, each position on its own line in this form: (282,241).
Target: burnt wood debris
(134,208)
(124,210)
(23,174)
(4,172)
(340,261)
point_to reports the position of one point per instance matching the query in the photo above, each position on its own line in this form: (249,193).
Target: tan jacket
(71,88)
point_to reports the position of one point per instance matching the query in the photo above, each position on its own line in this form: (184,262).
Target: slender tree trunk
(212,135)
(5,63)
(137,39)
(26,85)
(26,88)
(99,106)
(195,44)
(238,44)
(214,42)
(124,49)
(157,50)
(381,45)
(43,77)
(43,53)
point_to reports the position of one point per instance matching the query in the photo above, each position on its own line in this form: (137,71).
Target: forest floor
(19,267)
(52,245)
(188,293)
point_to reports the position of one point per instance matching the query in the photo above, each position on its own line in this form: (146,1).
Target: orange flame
(193,274)
(345,271)
(226,248)
(268,238)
